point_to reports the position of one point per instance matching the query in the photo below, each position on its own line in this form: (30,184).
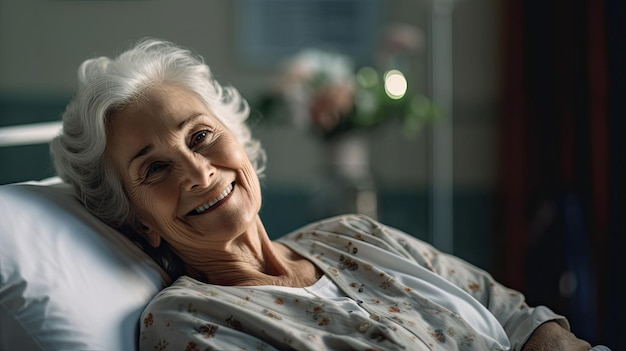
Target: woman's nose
(196,172)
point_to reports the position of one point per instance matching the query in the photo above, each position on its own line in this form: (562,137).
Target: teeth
(208,205)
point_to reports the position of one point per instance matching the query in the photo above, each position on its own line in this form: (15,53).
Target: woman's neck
(253,260)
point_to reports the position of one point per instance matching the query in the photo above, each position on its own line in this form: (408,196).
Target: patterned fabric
(400,294)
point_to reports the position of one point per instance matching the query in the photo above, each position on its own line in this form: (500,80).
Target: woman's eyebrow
(144,151)
(187,120)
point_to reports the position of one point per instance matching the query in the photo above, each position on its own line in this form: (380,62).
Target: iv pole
(442,176)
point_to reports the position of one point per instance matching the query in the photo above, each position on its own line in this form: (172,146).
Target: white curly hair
(106,85)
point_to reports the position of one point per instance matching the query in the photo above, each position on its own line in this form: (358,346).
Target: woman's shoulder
(187,290)
(183,287)
(343,224)
(187,297)
(349,227)
(357,226)
(361,228)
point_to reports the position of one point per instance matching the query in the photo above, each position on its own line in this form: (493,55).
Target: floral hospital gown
(382,290)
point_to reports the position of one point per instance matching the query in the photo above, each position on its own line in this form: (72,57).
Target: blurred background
(492,129)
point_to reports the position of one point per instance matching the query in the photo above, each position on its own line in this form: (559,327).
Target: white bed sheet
(67,280)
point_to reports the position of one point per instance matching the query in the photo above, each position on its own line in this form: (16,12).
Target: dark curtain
(563,199)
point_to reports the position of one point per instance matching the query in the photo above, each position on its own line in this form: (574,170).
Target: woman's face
(186,176)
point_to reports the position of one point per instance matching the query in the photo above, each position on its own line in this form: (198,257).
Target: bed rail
(28,134)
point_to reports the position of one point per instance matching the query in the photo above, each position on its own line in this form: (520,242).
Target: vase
(347,184)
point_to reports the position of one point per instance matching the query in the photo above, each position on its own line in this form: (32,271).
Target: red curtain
(562,200)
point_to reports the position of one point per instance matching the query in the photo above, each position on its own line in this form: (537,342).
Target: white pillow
(67,280)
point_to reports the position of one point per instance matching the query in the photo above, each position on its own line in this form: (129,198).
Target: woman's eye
(198,137)
(155,168)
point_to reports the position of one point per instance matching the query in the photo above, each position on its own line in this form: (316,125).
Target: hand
(550,336)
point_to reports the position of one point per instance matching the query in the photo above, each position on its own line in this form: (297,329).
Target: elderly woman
(154,146)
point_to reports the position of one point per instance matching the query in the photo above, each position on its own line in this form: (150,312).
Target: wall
(42,42)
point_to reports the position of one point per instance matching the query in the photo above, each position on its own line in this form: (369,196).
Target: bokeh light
(395,84)
(367,77)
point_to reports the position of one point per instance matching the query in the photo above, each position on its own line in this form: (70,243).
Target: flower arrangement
(324,91)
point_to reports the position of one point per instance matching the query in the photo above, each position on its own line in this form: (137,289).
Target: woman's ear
(152,237)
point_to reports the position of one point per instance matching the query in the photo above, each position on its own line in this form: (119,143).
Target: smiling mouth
(213,203)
